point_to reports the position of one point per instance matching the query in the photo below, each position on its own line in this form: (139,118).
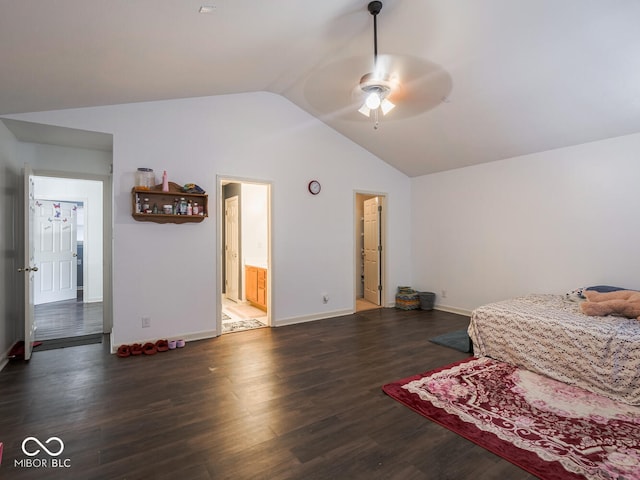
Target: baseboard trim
(459,311)
(5,360)
(448,309)
(283,322)
(311,318)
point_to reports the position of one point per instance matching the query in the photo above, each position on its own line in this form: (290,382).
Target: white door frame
(220,181)
(384,200)
(107,237)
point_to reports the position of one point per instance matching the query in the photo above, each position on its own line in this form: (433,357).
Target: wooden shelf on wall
(159,198)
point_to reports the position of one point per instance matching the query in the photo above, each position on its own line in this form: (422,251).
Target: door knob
(75,254)
(28,269)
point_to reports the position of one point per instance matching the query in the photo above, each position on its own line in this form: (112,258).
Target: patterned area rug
(548,428)
(239,325)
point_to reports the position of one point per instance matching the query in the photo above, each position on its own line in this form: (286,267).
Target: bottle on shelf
(189,208)
(165,182)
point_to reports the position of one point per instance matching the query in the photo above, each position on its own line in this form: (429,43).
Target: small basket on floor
(407,299)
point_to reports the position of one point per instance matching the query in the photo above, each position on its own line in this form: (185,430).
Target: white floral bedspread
(548,334)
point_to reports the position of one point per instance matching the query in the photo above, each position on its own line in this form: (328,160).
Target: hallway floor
(68,318)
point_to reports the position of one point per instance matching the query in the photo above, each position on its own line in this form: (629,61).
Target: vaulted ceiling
(485,79)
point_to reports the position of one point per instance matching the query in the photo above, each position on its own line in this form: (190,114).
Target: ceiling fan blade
(334,88)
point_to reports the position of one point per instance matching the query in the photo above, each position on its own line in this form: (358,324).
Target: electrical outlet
(146,322)
(444,293)
(325,298)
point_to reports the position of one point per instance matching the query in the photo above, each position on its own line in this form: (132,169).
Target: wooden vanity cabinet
(256,286)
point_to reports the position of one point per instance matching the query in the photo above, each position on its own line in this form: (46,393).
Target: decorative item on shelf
(165,182)
(192,188)
(145,178)
(183,206)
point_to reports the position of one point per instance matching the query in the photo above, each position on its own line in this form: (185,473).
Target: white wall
(255,227)
(42,157)
(168,272)
(11,290)
(89,192)
(542,223)
(546,222)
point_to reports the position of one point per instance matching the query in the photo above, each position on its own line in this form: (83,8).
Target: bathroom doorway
(245,290)
(370,252)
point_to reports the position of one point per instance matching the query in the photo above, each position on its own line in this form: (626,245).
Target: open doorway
(369,241)
(69,252)
(244,235)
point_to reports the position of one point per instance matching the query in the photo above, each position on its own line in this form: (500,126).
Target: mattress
(548,334)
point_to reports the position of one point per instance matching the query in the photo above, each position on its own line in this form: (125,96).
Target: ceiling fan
(411,84)
(376,85)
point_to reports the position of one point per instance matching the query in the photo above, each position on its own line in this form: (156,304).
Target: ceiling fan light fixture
(364,110)
(376,91)
(386,106)
(373,100)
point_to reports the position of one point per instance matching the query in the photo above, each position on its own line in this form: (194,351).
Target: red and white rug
(548,428)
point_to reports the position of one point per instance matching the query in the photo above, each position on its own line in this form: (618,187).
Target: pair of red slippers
(148,348)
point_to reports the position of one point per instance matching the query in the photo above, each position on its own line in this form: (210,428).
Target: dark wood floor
(68,318)
(296,402)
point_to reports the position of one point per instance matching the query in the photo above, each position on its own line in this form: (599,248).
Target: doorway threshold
(69,342)
(362,305)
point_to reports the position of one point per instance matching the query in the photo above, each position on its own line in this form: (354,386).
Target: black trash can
(427,299)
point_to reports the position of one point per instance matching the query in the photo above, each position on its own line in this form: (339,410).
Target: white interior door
(232,246)
(56,245)
(372,250)
(29,262)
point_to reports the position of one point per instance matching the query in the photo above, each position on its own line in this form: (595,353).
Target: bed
(548,334)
